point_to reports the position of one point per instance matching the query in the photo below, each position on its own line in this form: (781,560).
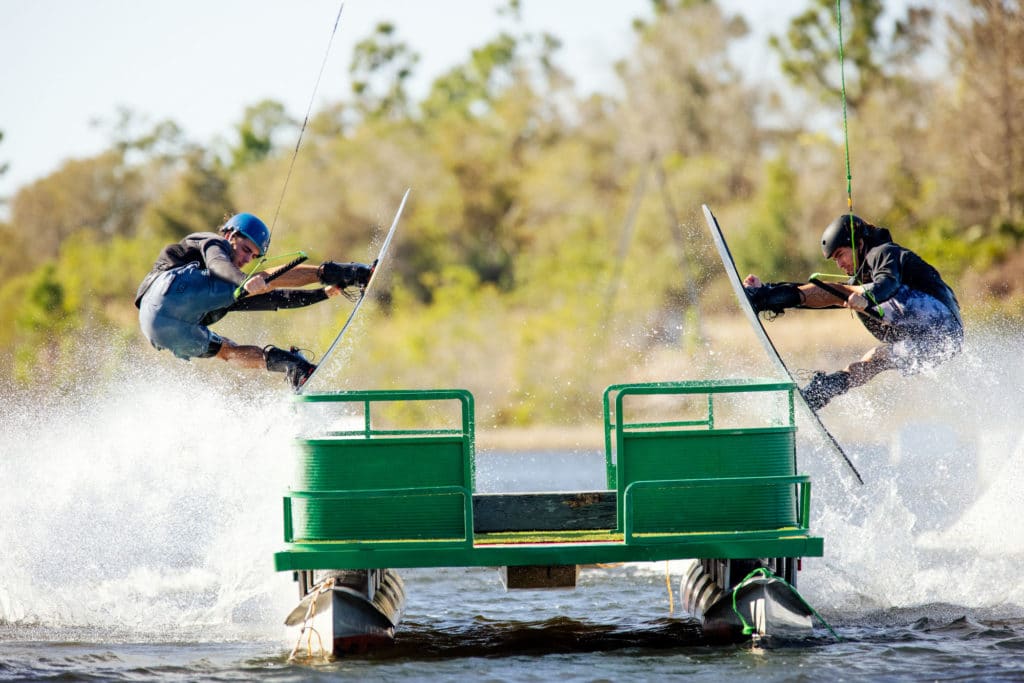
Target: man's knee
(215,349)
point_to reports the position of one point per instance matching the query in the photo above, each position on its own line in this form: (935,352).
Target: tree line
(537,209)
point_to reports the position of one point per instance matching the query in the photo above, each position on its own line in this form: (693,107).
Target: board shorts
(172,307)
(921,330)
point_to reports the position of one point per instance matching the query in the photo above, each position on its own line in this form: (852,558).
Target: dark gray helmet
(844,231)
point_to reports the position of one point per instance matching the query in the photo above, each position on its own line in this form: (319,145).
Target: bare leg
(824,387)
(242,356)
(878,359)
(293,364)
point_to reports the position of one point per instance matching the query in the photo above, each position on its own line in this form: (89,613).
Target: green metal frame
(803,483)
(368,398)
(614,422)
(636,540)
(465,540)
(346,556)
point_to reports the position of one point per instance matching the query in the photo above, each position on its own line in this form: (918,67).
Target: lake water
(139,521)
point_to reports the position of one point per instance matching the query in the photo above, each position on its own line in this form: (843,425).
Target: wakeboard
(375,266)
(762,335)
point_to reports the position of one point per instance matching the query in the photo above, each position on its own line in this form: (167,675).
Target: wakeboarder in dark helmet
(899,297)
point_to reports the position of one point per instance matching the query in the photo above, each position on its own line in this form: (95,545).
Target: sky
(65,66)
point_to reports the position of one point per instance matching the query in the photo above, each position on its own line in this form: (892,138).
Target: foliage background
(553,243)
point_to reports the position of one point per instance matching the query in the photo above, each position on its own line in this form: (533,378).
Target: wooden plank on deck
(559,511)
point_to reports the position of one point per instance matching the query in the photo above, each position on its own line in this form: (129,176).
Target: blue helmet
(252,227)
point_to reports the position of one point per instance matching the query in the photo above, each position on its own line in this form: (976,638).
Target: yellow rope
(306,626)
(668,587)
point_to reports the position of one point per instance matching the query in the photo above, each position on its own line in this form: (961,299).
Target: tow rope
(240,293)
(305,121)
(876,312)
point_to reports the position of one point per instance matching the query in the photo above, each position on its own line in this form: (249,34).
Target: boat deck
(486,551)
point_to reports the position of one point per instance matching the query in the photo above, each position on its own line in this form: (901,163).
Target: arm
(340,275)
(299,276)
(886,272)
(217,257)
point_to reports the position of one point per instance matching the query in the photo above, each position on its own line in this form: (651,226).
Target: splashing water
(942,456)
(150,503)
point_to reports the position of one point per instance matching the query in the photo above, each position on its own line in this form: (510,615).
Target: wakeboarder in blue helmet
(899,297)
(249,226)
(193,283)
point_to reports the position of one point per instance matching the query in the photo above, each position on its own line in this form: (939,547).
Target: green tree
(471,88)
(381,67)
(771,246)
(481,118)
(140,141)
(42,323)
(987,110)
(685,102)
(973,214)
(104,194)
(197,200)
(97,194)
(875,57)
(260,123)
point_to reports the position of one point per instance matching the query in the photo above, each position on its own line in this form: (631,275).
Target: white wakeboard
(362,294)
(762,335)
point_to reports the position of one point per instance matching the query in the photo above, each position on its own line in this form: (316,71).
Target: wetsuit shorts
(922,331)
(171,310)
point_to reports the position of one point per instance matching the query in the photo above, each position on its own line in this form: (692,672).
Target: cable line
(255,268)
(305,121)
(849,172)
(846,133)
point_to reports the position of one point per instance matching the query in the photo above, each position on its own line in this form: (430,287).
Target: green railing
(367,399)
(385,486)
(713,476)
(409,517)
(616,426)
(758,507)
(699,447)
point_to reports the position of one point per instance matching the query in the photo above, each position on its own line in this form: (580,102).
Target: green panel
(402,498)
(361,464)
(388,517)
(617,424)
(675,507)
(760,452)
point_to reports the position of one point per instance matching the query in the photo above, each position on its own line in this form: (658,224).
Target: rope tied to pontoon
(325,587)
(769,574)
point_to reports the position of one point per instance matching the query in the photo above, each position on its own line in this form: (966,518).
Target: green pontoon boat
(695,469)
